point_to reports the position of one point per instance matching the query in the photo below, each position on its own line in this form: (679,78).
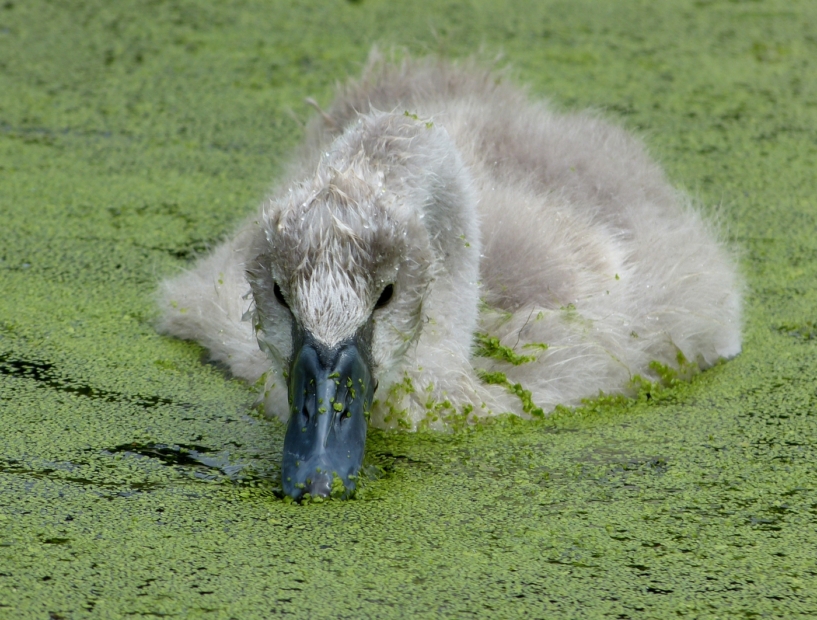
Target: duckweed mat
(136,480)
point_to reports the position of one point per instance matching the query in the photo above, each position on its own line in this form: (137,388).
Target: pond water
(137,480)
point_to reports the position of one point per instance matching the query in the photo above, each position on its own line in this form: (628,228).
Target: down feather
(535,258)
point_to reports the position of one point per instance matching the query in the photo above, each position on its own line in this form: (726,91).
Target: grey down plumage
(493,217)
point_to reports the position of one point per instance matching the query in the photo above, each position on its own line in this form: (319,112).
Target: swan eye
(279,296)
(385,297)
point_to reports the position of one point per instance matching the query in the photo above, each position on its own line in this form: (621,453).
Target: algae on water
(137,480)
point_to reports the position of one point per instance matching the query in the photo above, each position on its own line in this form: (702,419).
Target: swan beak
(330,394)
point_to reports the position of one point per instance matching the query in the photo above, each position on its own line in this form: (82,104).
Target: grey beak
(330,394)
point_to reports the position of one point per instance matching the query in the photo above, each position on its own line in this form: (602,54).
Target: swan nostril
(307,410)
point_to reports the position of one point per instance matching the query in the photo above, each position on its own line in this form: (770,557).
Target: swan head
(342,264)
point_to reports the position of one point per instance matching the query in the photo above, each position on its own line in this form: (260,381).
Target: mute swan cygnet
(432,206)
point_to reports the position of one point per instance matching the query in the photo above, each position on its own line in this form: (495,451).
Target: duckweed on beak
(330,394)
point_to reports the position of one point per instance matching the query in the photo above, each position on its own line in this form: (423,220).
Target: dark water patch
(13,466)
(187,253)
(56,472)
(380,464)
(47,375)
(47,135)
(389,462)
(150,210)
(766,524)
(206,463)
(576,564)
(794,491)
(169,454)
(617,464)
(655,465)
(134,216)
(35,135)
(806,330)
